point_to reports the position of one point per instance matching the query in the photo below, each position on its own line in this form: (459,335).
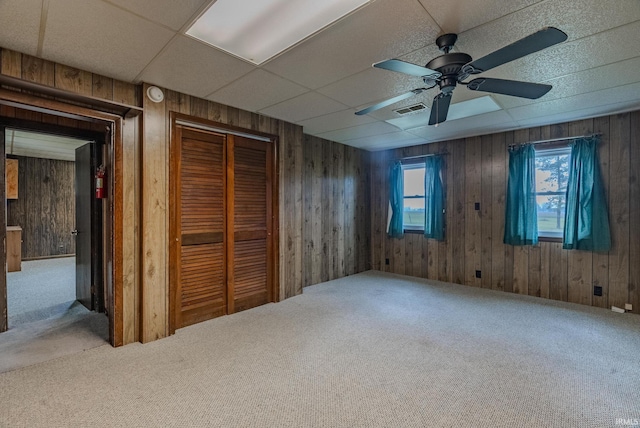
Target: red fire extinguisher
(100,188)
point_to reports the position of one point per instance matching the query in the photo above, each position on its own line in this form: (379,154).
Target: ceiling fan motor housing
(449,65)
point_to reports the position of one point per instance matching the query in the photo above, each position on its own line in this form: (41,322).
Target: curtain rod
(552,140)
(421,156)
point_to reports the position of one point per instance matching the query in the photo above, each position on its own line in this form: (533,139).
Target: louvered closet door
(201,284)
(251,258)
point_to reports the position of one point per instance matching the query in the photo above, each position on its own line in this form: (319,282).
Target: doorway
(54,229)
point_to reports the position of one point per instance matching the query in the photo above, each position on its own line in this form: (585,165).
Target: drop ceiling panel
(571,57)
(20,25)
(257,90)
(465,125)
(165,12)
(381,30)
(99,37)
(581,82)
(361,131)
(459,16)
(194,68)
(333,121)
(45,146)
(577,18)
(599,110)
(370,86)
(386,141)
(626,93)
(303,107)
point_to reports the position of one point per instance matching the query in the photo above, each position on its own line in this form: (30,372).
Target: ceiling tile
(333,121)
(360,131)
(171,13)
(194,68)
(383,29)
(257,90)
(371,86)
(303,107)
(95,36)
(599,110)
(626,93)
(581,82)
(20,25)
(571,57)
(464,125)
(577,18)
(459,16)
(385,141)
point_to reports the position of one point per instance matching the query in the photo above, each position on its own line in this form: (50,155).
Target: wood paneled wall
(336,210)
(44,72)
(476,171)
(45,208)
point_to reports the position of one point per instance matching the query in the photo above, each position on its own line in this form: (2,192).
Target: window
(552,175)
(413,175)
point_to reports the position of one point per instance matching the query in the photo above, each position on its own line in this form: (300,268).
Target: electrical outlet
(597,290)
(478,274)
(477,206)
(628,307)
(386,262)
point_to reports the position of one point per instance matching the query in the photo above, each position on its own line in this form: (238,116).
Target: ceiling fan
(453,68)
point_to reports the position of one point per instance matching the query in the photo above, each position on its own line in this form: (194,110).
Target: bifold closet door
(200,291)
(249,216)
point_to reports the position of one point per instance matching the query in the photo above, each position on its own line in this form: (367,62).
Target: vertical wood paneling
(458,214)
(473,225)
(154,308)
(498,173)
(601,260)
(634,213)
(486,211)
(47,217)
(478,168)
(620,131)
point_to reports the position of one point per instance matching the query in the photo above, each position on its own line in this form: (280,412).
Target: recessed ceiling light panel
(259,30)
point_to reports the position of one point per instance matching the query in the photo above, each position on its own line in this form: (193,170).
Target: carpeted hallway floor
(370,350)
(45,321)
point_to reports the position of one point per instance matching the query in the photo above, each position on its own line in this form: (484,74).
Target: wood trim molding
(120,109)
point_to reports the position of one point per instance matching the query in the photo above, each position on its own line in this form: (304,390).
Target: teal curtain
(396,201)
(586,221)
(434,199)
(521,219)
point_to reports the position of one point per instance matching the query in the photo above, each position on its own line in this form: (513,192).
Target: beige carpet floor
(370,350)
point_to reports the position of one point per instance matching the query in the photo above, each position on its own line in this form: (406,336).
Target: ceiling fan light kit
(452,68)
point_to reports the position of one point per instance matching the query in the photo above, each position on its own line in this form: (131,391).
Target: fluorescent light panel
(459,110)
(257,30)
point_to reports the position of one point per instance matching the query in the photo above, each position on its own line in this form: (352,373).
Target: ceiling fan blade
(535,42)
(440,108)
(406,68)
(390,101)
(509,87)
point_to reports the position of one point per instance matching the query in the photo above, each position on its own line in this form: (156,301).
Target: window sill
(415,231)
(549,239)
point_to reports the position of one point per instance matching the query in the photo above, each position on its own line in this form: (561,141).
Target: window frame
(546,151)
(413,164)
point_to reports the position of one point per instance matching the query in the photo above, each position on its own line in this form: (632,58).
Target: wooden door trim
(114,243)
(4,320)
(230,224)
